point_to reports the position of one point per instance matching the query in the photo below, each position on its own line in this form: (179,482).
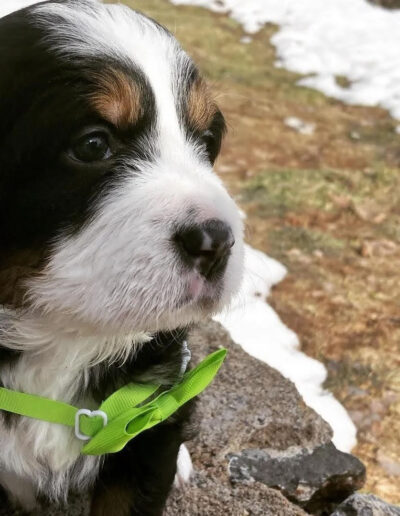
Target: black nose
(206,247)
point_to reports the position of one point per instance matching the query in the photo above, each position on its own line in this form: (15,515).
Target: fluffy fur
(95,290)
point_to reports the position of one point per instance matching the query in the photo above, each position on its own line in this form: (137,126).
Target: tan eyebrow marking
(201,106)
(118,98)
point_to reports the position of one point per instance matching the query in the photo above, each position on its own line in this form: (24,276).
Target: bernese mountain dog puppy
(115,237)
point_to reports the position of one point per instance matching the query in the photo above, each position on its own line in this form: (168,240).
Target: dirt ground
(325,204)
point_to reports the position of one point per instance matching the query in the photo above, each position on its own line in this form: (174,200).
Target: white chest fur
(41,456)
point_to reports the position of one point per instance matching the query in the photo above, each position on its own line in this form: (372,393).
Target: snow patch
(306,128)
(9,6)
(184,467)
(246,40)
(326,40)
(255,326)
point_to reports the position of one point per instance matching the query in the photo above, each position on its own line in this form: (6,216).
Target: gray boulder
(209,495)
(256,433)
(314,480)
(366,505)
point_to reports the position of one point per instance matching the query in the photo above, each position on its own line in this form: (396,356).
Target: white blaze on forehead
(91,29)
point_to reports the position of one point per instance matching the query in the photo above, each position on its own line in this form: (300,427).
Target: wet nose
(206,246)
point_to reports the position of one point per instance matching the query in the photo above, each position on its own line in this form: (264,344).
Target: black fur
(8,356)
(46,102)
(145,469)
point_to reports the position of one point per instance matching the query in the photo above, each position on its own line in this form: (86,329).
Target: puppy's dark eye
(212,137)
(212,143)
(208,137)
(91,147)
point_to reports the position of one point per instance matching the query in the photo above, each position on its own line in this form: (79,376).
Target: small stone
(343,201)
(383,247)
(246,40)
(354,135)
(315,480)
(365,505)
(377,407)
(389,464)
(306,128)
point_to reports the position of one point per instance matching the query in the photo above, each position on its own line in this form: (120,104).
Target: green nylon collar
(119,418)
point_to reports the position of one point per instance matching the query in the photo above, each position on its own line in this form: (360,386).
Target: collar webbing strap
(120,418)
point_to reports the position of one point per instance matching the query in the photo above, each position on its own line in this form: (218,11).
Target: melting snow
(299,125)
(254,325)
(328,39)
(8,6)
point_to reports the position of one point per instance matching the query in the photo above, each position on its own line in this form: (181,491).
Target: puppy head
(111,216)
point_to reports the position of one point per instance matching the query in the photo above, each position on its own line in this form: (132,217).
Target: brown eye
(212,137)
(91,147)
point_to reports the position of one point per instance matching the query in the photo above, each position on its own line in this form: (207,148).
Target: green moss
(306,240)
(280,191)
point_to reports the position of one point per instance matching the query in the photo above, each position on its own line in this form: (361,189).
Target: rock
(206,495)
(306,128)
(315,480)
(248,406)
(366,505)
(390,465)
(389,4)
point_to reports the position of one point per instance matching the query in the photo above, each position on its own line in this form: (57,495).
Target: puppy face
(111,217)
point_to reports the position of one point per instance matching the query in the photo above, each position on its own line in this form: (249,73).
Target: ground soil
(327,205)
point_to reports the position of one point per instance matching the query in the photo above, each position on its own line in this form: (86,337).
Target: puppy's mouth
(195,286)
(201,293)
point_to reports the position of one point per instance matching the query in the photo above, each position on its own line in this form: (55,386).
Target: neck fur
(54,361)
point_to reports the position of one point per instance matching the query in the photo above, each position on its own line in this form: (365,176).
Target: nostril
(220,235)
(191,240)
(206,246)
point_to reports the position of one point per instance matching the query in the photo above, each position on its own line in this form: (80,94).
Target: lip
(202,293)
(195,287)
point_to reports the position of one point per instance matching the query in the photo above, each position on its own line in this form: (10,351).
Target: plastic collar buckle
(89,413)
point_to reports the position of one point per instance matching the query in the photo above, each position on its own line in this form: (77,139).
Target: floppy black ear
(22,69)
(18,66)
(34,107)
(19,71)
